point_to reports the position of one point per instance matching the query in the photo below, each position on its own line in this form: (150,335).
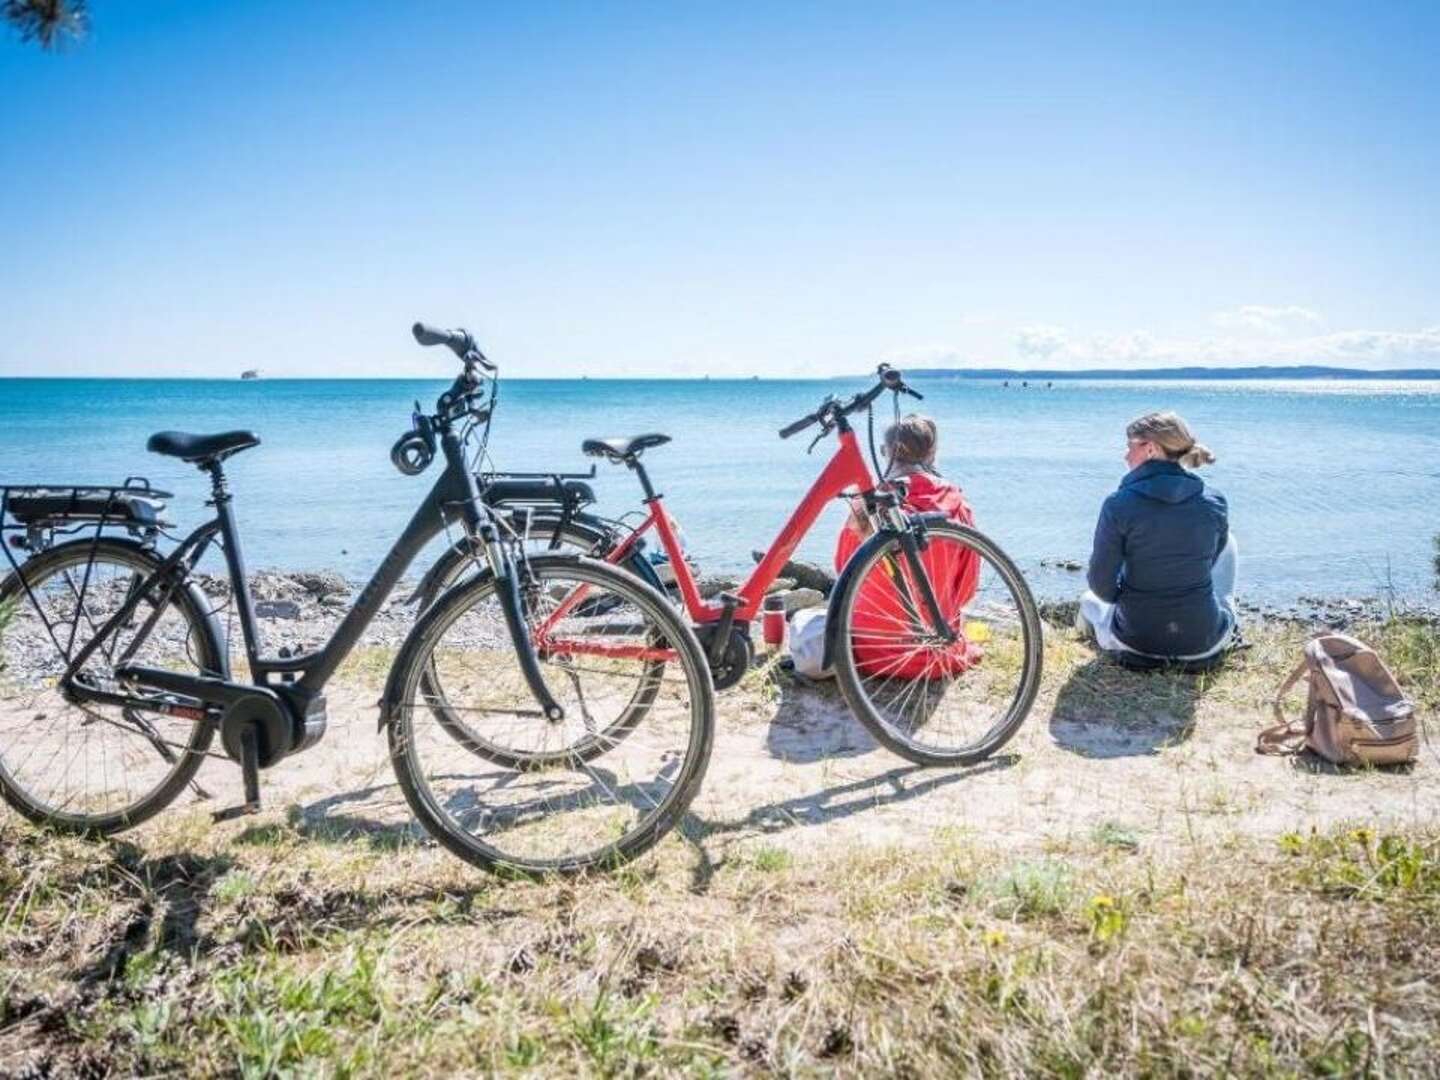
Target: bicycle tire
(579,534)
(851,679)
(192,607)
(414,658)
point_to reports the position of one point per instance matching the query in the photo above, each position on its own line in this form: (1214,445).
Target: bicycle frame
(453,496)
(846,468)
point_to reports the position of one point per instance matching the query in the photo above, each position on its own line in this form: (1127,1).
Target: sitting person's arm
(1224,535)
(1107,555)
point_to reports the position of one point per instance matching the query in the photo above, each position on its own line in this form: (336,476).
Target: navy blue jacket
(1157,538)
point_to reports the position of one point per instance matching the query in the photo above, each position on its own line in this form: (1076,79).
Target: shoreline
(300,607)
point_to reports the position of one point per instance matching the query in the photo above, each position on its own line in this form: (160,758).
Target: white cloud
(1054,347)
(1371,348)
(1262,319)
(1040,342)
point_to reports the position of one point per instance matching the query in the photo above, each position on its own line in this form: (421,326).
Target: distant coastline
(1304,371)
(1214,374)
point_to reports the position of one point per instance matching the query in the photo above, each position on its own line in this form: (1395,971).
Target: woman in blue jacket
(1162,571)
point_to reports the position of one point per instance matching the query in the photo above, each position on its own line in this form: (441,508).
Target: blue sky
(731,189)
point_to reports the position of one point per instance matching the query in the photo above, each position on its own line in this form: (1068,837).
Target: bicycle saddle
(193,448)
(622,449)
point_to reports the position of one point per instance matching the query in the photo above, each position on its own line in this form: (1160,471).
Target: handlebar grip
(458,341)
(797,427)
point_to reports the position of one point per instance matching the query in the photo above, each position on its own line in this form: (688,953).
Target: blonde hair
(1169,431)
(912,440)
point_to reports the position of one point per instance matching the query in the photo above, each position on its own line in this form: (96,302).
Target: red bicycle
(932,631)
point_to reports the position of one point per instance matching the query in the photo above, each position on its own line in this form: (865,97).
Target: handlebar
(457,341)
(831,410)
(804,422)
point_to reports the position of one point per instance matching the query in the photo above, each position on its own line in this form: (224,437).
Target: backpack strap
(1285,737)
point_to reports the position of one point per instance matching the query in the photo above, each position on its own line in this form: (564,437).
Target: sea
(1334,487)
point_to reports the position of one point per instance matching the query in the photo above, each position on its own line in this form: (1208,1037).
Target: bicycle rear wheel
(75,765)
(594,789)
(932,701)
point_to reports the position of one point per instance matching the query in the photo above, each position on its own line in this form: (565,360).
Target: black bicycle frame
(453,496)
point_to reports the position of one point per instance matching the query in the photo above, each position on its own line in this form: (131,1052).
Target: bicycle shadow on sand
(345,817)
(830,804)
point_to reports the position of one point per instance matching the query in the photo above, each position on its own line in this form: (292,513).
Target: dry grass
(271,947)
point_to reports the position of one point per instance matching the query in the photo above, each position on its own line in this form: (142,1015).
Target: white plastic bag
(807,643)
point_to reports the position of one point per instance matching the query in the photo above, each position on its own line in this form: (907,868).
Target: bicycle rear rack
(32,514)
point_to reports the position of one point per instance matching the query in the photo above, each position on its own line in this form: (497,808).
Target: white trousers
(1096,616)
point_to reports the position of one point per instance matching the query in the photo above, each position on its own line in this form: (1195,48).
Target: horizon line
(1249,373)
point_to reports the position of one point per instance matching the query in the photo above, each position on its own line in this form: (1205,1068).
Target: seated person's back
(911,446)
(1156,549)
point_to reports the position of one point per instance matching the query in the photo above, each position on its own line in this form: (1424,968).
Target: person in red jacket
(910,447)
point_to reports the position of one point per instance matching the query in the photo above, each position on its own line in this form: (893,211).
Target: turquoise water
(1334,487)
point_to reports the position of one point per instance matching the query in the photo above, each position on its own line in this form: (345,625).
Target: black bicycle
(584,738)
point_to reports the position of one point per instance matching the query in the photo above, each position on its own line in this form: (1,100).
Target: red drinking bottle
(773,623)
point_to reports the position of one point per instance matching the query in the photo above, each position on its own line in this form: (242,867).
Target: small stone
(277,609)
(321,583)
(714,585)
(799,599)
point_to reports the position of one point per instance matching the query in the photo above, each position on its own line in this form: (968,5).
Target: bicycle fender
(640,566)
(429,586)
(842,583)
(426,591)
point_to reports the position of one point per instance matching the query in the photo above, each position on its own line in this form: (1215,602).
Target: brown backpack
(1356,713)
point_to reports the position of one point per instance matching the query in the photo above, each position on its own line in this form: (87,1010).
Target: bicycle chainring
(735,661)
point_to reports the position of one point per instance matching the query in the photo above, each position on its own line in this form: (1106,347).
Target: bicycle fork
(507,573)
(912,542)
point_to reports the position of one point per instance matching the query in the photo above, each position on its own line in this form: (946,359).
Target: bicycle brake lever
(824,430)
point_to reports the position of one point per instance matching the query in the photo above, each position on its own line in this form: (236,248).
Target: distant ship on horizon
(252,373)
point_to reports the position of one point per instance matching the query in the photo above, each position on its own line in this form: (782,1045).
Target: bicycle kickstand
(250,768)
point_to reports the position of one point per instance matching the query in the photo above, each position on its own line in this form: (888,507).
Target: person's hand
(859,519)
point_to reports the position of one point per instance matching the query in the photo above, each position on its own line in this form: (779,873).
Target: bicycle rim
(930,700)
(594,789)
(80,766)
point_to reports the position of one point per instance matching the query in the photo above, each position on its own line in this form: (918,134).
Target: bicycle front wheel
(526,793)
(73,764)
(931,700)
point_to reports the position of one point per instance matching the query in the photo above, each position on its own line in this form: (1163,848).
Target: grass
(1306,954)
(263,950)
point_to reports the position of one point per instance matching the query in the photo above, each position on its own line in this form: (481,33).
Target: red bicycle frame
(845,469)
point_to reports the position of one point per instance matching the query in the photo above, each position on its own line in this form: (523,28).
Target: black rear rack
(485,476)
(32,513)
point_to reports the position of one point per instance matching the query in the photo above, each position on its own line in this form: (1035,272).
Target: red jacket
(954,573)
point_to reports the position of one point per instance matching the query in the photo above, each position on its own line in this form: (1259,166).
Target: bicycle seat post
(645,485)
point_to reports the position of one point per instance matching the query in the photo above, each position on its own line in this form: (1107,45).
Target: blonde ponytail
(1169,431)
(1198,454)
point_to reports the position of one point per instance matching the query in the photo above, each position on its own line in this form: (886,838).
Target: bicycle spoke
(75,763)
(927,698)
(542,792)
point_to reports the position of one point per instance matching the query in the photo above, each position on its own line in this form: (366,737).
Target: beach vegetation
(1115,935)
